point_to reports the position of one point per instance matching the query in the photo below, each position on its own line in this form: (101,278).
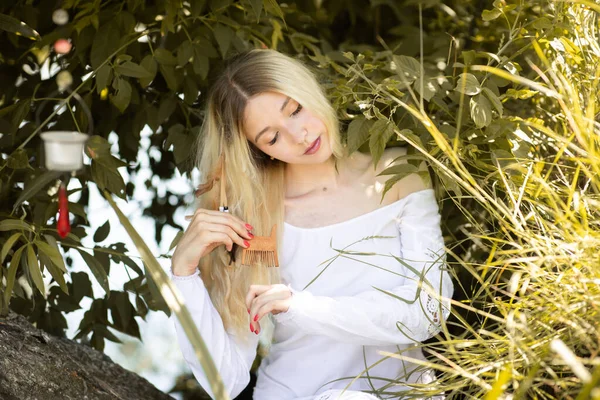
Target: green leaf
(520,94)
(10,24)
(33,266)
(102,232)
(80,286)
(206,48)
(223,35)
(122,98)
(97,270)
(542,23)
(481,111)
(489,15)
(142,308)
(108,178)
(56,273)
(14,224)
(52,253)
(103,78)
(18,160)
(165,57)
(190,90)
(185,52)
(468,84)
(105,43)
(257,6)
(390,183)
(381,132)
(358,133)
(502,158)
(495,100)
(167,107)
(131,264)
(9,244)
(273,8)
(35,186)
(171,77)
(133,70)
(200,63)
(12,273)
(407,67)
(429,88)
(149,64)
(97,146)
(409,135)
(403,169)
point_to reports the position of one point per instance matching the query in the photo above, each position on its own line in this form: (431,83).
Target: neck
(302,179)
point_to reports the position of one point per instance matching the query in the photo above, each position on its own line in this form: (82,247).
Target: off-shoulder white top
(389,291)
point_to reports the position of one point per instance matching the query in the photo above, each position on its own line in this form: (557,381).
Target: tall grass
(530,327)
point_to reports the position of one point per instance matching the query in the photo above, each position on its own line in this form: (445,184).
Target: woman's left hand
(264,299)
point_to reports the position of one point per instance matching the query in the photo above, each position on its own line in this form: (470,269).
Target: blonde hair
(254,183)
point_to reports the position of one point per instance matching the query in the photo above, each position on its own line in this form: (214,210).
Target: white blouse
(382,295)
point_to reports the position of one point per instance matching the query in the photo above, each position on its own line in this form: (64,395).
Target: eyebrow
(285,103)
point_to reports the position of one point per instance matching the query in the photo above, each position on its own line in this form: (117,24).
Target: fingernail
(251,328)
(250,234)
(249,227)
(256,318)
(248,311)
(257,332)
(246,243)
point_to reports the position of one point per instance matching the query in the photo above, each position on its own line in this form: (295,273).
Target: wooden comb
(263,249)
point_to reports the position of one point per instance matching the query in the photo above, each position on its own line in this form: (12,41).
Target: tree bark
(36,365)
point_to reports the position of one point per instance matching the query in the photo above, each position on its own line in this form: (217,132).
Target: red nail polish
(248,311)
(251,235)
(256,318)
(251,328)
(246,243)
(249,227)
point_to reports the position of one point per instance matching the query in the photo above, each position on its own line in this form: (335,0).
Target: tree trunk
(35,365)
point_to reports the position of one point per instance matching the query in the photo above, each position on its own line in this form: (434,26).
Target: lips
(314,146)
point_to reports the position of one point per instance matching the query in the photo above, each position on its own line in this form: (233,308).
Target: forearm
(232,356)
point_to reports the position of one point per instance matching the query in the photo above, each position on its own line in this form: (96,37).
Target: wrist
(183,272)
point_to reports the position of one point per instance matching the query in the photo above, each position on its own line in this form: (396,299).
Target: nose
(300,134)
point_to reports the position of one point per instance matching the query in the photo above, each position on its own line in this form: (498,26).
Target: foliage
(500,98)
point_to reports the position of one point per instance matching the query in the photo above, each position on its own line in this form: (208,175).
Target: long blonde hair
(254,183)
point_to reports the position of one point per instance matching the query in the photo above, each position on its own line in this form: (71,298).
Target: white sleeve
(232,357)
(409,313)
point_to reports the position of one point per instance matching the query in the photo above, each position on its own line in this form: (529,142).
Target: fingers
(224,229)
(217,217)
(217,237)
(272,299)
(255,327)
(274,307)
(255,290)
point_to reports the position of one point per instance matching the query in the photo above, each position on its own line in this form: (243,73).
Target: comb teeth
(264,250)
(252,257)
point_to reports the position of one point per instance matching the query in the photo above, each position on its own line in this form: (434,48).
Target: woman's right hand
(208,230)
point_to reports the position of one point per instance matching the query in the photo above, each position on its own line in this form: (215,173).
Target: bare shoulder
(411,183)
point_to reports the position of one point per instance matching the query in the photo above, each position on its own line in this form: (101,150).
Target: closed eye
(272,142)
(298,109)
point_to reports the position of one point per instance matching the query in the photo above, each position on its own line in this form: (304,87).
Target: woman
(286,166)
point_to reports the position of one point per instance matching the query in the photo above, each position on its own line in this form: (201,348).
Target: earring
(272,158)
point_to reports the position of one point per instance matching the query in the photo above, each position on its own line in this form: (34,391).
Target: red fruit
(63,227)
(62,46)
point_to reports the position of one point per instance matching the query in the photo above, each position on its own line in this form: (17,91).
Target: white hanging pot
(63,150)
